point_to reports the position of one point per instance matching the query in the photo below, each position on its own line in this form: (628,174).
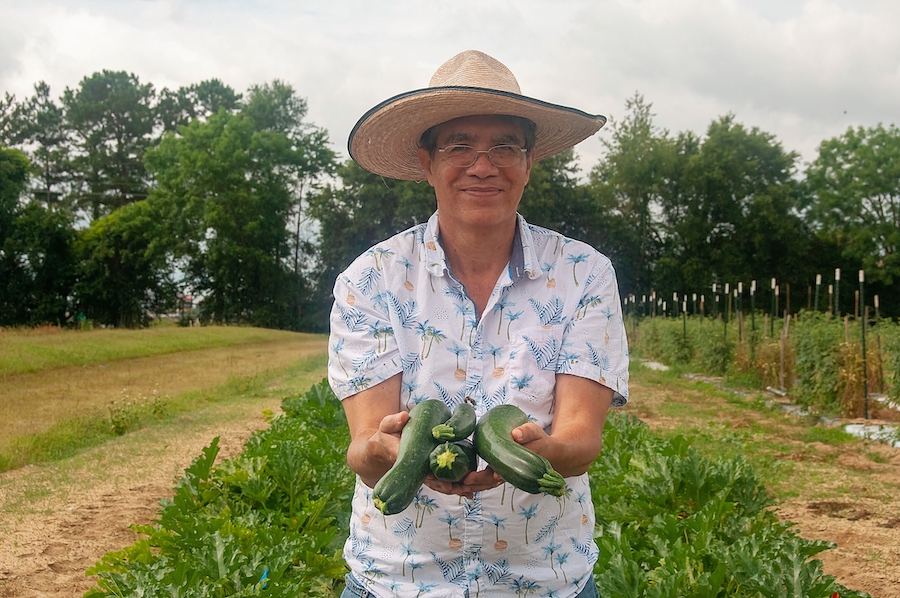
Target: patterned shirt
(555,309)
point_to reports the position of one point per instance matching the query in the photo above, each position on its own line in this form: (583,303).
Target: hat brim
(385,140)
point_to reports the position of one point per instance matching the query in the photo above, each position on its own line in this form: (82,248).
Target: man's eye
(458,149)
(505,150)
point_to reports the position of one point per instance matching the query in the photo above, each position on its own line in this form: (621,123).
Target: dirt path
(73,513)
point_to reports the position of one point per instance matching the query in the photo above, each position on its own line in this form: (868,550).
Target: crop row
(272,521)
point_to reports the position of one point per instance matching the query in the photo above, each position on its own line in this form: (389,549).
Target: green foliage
(270,522)
(817,339)
(124,267)
(855,194)
(36,263)
(129,413)
(226,188)
(112,118)
(672,523)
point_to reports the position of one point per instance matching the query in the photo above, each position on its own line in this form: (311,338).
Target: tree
(626,185)
(39,127)
(111,115)
(730,211)
(124,269)
(199,101)
(554,199)
(227,187)
(35,259)
(854,197)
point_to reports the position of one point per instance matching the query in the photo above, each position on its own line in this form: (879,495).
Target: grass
(34,350)
(55,412)
(237,399)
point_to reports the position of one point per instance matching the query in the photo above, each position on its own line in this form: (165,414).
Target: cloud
(791,68)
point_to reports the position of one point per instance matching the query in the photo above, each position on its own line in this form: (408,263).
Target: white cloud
(791,68)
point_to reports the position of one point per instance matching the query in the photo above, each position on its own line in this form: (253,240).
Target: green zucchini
(397,488)
(452,461)
(521,467)
(460,425)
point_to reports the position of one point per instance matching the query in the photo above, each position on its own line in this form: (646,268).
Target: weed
(826,435)
(129,413)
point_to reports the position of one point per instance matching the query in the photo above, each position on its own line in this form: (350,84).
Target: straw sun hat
(385,140)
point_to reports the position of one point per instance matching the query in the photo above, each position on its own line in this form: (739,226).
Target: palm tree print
(549,550)
(609,314)
(424,504)
(510,318)
(381,331)
(561,560)
(522,382)
(425,588)
(494,352)
(450,519)
(456,349)
(429,334)
(575,260)
(502,304)
(528,513)
(523,586)
(498,523)
(467,313)
(379,253)
(407,552)
(407,266)
(336,349)
(585,303)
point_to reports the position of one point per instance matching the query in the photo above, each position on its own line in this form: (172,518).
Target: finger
(393,424)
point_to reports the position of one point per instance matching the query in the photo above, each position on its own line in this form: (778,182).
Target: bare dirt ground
(70,524)
(61,519)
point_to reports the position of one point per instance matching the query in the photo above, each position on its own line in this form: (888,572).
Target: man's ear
(426,162)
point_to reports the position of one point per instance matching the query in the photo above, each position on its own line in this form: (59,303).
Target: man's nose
(482,164)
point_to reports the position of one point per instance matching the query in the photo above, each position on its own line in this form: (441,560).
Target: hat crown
(475,69)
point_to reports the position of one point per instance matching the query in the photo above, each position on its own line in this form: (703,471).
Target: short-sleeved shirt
(399,309)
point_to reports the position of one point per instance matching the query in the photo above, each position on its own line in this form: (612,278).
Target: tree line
(117,199)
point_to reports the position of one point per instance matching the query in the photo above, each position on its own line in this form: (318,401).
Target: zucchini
(452,461)
(397,488)
(460,425)
(521,467)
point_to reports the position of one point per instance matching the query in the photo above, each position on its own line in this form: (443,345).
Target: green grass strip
(27,352)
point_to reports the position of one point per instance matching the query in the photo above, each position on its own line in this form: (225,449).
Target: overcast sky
(804,71)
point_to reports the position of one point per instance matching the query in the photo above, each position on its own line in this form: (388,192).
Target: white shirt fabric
(555,309)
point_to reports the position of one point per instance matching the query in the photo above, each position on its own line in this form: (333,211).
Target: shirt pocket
(534,353)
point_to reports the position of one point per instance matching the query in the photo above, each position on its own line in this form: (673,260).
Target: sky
(803,71)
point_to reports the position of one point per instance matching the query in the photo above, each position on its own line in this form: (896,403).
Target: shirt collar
(523,262)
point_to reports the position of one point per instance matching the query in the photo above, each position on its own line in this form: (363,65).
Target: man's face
(481,195)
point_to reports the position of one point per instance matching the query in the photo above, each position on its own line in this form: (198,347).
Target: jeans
(354,589)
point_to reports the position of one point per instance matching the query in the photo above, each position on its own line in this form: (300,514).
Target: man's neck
(478,257)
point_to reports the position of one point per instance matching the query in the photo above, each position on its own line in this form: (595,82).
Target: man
(475,305)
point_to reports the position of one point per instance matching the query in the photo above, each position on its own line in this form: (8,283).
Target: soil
(46,549)
(70,514)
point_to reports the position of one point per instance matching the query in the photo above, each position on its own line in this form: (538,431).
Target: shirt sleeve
(594,341)
(362,351)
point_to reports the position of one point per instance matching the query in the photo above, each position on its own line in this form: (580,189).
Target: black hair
(428,139)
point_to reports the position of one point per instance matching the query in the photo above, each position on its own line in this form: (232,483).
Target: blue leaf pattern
(398,310)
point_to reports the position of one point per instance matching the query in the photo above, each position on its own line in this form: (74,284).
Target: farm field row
(58,518)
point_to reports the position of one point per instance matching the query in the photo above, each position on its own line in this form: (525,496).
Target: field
(74,499)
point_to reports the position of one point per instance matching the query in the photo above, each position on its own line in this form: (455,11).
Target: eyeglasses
(501,156)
